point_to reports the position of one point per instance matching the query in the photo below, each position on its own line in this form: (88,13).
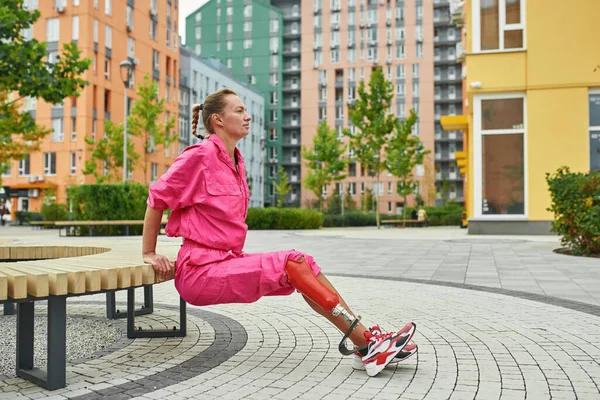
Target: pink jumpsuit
(209,204)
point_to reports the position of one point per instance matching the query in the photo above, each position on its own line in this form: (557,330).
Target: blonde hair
(213,104)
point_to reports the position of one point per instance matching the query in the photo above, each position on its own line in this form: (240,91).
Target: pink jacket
(209,202)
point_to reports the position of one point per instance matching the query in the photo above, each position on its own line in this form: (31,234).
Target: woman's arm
(161,264)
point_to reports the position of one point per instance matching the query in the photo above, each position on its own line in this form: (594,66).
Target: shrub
(54,212)
(575,202)
(25,217)
(114,201)
(351,218)
(283,218)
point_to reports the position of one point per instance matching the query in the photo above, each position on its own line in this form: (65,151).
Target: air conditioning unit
(335,26)
(389,42)
(33,192)
(315,65)
(350,44)
(31,179)
(322,84)
(376,61)
(129,26)
(334,45)
(419,37)
(60,9)
(369,24)
(388,60)
(154,12)
(274,51)
(40,178)
(316,46)
(388,21)
(362,24)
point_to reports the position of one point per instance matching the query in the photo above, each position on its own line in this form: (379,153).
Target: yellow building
(532,105)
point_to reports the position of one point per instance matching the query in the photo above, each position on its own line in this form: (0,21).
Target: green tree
(107,154)
(373,125)
(143,120)
(404,152)
(325,160)
(283,187)
(25,71)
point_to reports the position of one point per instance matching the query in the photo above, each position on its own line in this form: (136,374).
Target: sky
(186,7)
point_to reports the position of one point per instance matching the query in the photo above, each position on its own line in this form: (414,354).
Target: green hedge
(442,215)
(576,207)
(25,217)
(283,218)
(116,201)
(54,212)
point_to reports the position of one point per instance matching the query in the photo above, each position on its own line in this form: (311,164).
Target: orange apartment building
(108,32)
(347,40)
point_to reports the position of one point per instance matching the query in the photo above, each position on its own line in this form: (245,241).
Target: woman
(206,190)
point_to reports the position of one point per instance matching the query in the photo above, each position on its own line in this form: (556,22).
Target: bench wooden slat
(92,278)
(37,285)
(58,284)
(109,276)
(75,280)
(17,283)
(3,286)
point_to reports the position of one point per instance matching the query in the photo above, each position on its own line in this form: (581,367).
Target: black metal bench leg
(9,308)
(147,308)
(133,333)
(24,336)
(55,375)
(57,342)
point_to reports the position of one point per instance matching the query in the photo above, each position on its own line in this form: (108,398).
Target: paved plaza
(497,318)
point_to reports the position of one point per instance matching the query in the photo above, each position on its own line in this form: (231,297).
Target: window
(154,172)
(49,163)
(499,160)
(155,60)
(73,166)
(247,62)
(75,28)
(415,70)
(152,29)
(96,31)
(52,29)
(73,129)
(419,50)
(248,11)
(108,37)
(594,131)
(229,45)
(129,18)
(57,130)
(24,166)
(108,7)
(498,25)
(247,43)
(6,170)
(247,26)
(274,25)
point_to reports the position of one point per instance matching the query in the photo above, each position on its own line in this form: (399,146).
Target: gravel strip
(85,336)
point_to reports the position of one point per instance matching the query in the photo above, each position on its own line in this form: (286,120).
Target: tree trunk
(377,218)
(404,213)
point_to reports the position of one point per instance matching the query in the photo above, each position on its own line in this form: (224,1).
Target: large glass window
(500,25)
(501,156)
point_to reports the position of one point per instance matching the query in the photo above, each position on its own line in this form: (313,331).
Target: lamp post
(126,71)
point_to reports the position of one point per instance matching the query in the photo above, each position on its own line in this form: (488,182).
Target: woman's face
(234,120)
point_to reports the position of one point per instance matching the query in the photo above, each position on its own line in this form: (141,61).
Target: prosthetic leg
(301,277)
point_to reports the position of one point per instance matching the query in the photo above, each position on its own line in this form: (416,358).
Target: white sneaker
(384,347)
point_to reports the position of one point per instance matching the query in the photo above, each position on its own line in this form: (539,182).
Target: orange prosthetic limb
(301,277)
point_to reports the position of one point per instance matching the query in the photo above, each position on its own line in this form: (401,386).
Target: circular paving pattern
(472,344)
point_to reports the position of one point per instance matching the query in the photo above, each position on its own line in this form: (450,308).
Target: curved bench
(53,273)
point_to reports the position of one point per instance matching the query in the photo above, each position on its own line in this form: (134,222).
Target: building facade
(346,40)
(200,77)
(448,57)
(247,37)
(530,111)
(107,32)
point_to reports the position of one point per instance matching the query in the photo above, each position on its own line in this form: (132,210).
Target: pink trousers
(239,279)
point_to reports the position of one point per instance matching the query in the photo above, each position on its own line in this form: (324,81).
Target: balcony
(289,17)
(289,34)
(291,106)
(457,12)
(291,51)
(291,88)
(460,52)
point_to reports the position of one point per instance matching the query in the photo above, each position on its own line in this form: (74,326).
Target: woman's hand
(161,264)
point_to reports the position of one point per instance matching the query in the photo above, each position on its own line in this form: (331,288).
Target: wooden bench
(93,224)
(54,273)
(402,222)
(42,224)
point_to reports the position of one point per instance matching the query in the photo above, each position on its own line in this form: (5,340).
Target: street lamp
(126,71)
